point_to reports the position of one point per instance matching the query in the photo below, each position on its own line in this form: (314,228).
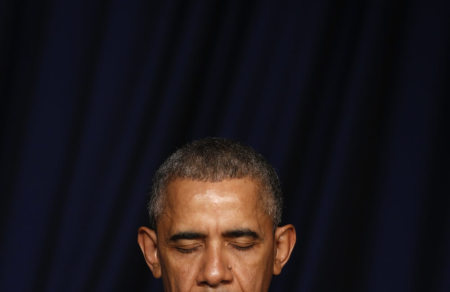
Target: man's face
(215,236)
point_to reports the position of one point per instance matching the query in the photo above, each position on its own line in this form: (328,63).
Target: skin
(215,236)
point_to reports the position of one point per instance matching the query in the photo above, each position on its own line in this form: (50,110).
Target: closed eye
(243,247)
(186,249)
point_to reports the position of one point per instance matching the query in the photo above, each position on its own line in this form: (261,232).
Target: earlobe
(148,243)
(285,238)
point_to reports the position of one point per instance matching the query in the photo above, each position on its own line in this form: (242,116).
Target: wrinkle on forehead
(211,196)
(236,194)
(178,188)
(183,194)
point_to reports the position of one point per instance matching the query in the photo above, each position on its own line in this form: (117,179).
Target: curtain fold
(349,102)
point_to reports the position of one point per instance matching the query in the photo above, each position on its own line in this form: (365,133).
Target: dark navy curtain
(349,100)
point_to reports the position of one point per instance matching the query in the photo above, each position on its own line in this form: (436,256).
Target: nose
(215,271)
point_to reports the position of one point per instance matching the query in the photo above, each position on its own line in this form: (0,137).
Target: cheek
(178,272)
(253,270)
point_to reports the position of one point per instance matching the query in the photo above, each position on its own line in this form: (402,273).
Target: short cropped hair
(213,160)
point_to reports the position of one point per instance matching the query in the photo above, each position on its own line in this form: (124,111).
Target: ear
(148,242)
(285,238)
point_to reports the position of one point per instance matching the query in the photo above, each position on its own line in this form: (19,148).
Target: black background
(349,100)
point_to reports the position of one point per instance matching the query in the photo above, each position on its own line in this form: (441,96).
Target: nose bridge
(215,269)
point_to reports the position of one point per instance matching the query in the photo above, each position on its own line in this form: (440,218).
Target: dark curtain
(349,100)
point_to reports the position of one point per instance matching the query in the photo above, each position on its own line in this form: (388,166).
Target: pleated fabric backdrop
(349,100)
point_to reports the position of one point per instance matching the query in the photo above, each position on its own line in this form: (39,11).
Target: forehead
(229,203)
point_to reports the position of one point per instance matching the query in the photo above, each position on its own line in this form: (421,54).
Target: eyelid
(242,245)
(186,250)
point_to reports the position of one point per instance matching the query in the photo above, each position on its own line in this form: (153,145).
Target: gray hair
(214,160)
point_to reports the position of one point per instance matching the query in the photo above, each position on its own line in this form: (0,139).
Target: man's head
(214,210)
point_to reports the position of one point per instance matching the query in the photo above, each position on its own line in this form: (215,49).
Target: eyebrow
(187,235)
(241,233)
(235,233)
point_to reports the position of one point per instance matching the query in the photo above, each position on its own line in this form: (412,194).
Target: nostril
(214,284)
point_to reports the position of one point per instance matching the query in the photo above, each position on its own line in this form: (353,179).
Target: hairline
(214,159)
